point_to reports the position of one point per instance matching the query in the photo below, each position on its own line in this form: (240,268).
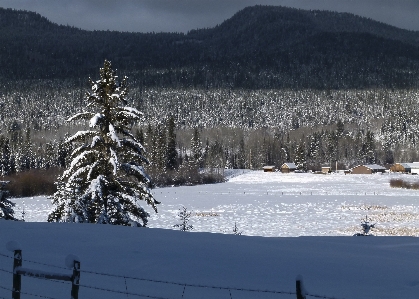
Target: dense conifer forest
(268,86)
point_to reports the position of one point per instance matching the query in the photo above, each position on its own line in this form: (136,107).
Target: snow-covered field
(281,205)
(324,210)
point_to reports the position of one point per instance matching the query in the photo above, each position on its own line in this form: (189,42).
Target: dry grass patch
(399,183)
(207,214)
(395,216)
(397,231)
(364,207)
(381,231)
(33,182)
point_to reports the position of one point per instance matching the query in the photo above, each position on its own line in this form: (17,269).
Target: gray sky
(184,15)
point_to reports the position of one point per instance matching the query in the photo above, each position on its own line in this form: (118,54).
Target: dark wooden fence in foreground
(74,278)
(18,271)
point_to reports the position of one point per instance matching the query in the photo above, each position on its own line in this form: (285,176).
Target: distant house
(401,167)
(414,167)
(288,167)
(326,169)
(368,169)
(268,168)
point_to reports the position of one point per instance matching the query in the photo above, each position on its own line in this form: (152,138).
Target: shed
(268,168)
(414,167)
(401,167)
(326,169)
(288,167)
(368,169)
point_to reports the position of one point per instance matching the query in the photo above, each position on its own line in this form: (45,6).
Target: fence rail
(18,270)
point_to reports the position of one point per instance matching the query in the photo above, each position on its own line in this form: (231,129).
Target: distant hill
(259,47)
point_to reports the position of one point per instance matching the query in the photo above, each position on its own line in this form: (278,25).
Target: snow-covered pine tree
(6,206)
(105,181)
(184,216)
(196,149)
(171,144)
(300,157)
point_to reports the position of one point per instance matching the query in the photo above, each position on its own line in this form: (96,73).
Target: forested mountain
(259,47)
(268,86)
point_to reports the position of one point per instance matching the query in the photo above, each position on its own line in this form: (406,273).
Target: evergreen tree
(139,134)
(6,206)
(105,181)
(171,144)
(196,149)
(331,146)
(184,217)
(5,156)
(49,155)
(369,148)
(340,128)
(300,157)
(241,155)
(313,151)
(150,141)
(63,153)
(161,148)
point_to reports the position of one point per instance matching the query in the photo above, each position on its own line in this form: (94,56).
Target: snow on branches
(6,206)
(105,181)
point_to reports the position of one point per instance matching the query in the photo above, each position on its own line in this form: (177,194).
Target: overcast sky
(184,15)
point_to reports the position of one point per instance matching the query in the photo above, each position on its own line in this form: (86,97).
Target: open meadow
(294,224)
(280,205)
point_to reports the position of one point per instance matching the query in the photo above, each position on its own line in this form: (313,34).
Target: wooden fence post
(17,280)
(300,289)
(75,280)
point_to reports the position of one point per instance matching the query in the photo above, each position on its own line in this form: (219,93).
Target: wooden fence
(74,278)
(18,271)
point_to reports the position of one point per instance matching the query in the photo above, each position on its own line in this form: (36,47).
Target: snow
(375,166)
(290,165)
(95,140)
(70,259)
(133,111)
(13,245)
(80,134)
(94,120)
(113,135)
(292,224)
(113,160)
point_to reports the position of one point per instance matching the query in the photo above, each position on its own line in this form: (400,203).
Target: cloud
(184,15)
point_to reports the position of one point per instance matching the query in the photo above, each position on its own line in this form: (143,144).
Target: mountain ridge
(258,47)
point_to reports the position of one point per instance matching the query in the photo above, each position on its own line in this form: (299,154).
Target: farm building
(268,168)
(288,167)
(401,167)
(412,168)
(326,169)
(368,169)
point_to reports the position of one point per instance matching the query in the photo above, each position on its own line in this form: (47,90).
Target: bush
(33,182)
(399,183)
(42,182)
(183,176)
(396,183)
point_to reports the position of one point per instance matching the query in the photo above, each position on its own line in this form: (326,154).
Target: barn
(401,167)
(288,167)
(368,169)
(326,169)
(414,167)
(268,168)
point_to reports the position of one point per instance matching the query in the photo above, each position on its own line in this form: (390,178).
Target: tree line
(232,128)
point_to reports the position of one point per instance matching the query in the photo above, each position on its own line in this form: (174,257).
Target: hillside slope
(169,264)
(259,47)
